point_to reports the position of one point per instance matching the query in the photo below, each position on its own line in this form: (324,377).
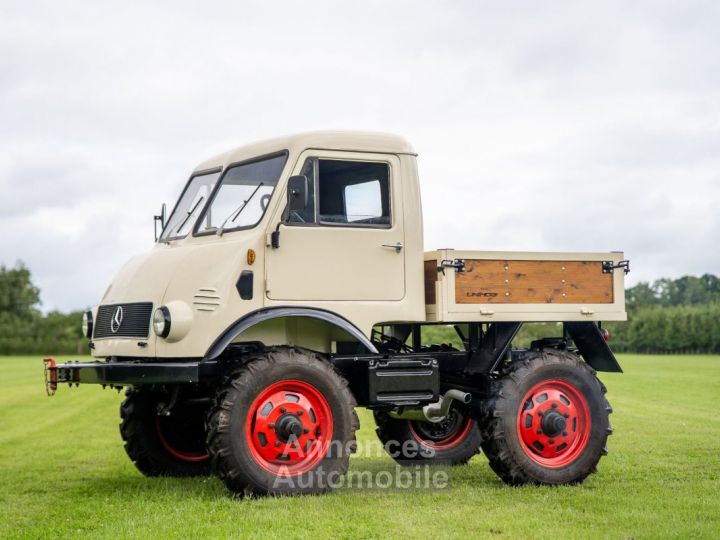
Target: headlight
(87,324)
(161,321)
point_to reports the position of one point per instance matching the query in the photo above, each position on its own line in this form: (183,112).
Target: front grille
(134,322)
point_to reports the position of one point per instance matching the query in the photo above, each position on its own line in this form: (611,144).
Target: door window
(349,193)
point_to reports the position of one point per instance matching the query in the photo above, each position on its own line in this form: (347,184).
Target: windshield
(189,206)
(244,193)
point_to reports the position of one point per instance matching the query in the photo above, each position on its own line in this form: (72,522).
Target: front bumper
(127,373)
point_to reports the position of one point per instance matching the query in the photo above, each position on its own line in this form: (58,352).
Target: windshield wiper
(189,215)
(235,213)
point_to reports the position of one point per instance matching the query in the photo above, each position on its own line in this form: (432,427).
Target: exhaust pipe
(434,412)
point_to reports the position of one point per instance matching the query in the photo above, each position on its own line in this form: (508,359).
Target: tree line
(671,316)
(665,316)
(24,329)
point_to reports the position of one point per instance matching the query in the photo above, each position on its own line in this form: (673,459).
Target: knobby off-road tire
(453,441)
(161,445)
(546,420)
(283,423)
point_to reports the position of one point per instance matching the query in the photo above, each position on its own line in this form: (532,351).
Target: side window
(354,192)
(363,201)
(346,192)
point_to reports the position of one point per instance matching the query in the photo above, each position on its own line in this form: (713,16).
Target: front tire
(283,423)
(546,420)
(164,445)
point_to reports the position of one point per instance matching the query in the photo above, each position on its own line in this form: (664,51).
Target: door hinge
(608,266)
(457,264)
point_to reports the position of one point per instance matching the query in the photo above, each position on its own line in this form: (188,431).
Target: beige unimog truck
(290,284)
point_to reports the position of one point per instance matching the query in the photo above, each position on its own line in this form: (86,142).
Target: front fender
(265,314)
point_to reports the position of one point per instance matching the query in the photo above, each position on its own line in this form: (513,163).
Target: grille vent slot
(207,299)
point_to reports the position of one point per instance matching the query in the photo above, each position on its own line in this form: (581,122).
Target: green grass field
(64,473)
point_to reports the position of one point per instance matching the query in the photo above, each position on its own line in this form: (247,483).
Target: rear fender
(592,346)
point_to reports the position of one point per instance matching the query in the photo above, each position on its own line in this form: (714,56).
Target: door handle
(397,246)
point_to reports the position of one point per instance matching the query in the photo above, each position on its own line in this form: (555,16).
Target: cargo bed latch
(457,264)
(608,267)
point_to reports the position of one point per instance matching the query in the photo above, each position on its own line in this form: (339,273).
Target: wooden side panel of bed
(530,282)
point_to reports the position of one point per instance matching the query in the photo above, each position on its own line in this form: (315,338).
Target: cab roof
(358,141)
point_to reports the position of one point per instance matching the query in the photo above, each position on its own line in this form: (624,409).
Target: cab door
(347,243)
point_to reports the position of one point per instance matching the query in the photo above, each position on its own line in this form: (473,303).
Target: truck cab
(355,249)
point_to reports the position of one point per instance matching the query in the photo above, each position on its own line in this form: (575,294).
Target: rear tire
(160,445)
(283,423)
(451,442)
(546,420)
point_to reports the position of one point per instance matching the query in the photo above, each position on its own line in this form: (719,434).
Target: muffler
(433,412)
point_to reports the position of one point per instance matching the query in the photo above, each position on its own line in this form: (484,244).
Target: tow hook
(51,377)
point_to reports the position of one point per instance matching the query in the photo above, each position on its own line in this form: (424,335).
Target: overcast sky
(544,126)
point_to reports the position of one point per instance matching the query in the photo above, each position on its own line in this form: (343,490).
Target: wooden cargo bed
(504,286)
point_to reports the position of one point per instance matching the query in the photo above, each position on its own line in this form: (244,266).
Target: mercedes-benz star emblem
(116,320)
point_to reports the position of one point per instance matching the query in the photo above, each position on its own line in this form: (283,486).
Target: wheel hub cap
(288,426)
(553,423)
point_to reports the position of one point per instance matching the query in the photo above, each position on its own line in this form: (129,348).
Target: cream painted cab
(364,268)
(236,245)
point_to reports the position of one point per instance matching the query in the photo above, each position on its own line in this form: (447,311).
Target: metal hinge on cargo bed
(457,264)
(608,266)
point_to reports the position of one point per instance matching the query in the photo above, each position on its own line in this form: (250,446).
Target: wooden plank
(430,279)
(533,282)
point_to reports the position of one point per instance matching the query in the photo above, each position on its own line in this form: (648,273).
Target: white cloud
(541,126)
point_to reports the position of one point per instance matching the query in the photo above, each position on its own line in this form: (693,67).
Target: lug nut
(277,443)
(554,405)
(566,415)
(306,430)
(564,433)
(283,410)
(271,425)
(539,431)
(540,413)
(299,413)
(552,441)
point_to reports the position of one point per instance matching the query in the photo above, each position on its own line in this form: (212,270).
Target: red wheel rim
(553,423)
(456,436)
(289,428)
(183,455)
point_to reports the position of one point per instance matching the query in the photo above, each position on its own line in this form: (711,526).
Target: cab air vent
(206,299)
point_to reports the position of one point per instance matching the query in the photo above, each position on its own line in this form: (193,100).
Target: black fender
(266,314)
(592,346)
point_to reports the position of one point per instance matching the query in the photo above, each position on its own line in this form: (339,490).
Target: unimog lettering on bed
(290,285)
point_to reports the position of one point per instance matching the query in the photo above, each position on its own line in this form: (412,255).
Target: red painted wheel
(554,423)
(177,448)
(545,419)
(453,441)
(444,435)
(165,445)
(289,426)
(283,423)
